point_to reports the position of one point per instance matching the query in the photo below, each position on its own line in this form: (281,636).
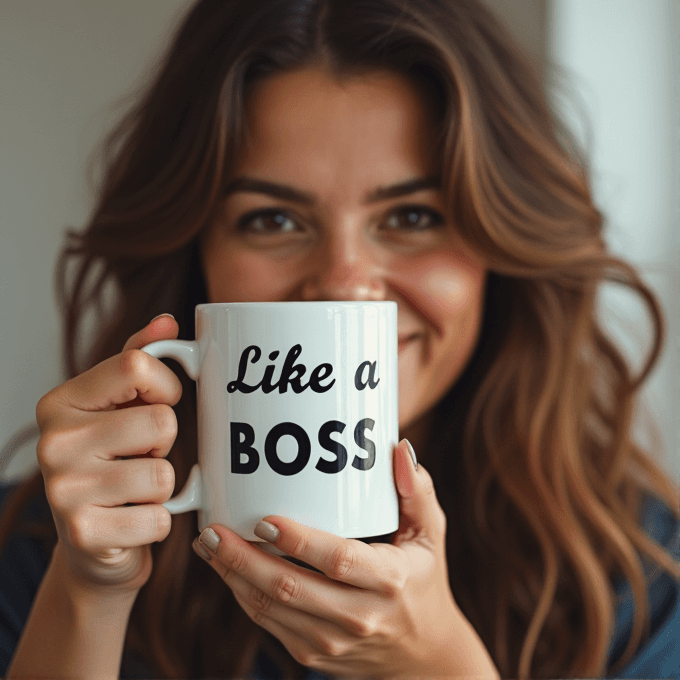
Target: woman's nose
(344,271)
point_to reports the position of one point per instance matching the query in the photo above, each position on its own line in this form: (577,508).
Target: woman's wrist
(460,655)
(85,595)
(72,631)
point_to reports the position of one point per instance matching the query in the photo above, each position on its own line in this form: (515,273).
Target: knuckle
(330,647)
(260,601)
(394,584)
(178,390)
(164,420)
(258,617)
(133,362)
(80,531)
(342,561)
(47,449)
(299,548)
(304,656)
(238,561)
(163,476)
(286,589)
(58,492)
(43,409)
(162,520)
(362,626)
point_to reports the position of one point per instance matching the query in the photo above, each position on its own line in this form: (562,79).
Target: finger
(418,503)
(100,529)
(148,429)
(298,648)
(120,379)
(373,567)
(324,636)
(142,480)
(287,583)
(163,327)
(135,481)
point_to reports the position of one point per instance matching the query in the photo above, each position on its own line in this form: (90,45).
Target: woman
(251,171)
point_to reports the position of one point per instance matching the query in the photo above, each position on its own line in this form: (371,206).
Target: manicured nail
(200,550)
(209,539)
(412,452)
(160,315)
(267,532)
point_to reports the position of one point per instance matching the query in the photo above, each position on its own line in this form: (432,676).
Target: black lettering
(366,444)
(318,374)
(267,384)
(304,448)
(243,447)
(337,465)
(239,384)
(287,375)
(358,376)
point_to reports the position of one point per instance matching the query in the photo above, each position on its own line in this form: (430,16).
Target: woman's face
(335,197)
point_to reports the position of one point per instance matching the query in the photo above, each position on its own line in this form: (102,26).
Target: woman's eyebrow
(288,193)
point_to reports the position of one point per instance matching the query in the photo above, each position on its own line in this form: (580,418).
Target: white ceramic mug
(297,415)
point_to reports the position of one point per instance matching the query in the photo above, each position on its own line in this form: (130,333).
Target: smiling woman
(397,150)
(335,196)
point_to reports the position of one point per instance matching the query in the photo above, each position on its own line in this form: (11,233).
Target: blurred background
(612,69)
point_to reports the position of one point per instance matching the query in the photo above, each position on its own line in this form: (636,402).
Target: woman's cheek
(448,294)
(453,286)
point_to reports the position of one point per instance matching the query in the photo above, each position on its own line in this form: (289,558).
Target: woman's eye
(267,222)
(414,218)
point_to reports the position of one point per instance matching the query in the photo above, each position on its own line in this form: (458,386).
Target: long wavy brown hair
(533,457)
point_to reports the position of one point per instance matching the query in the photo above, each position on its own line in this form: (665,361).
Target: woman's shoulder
(659,655)
(661,523)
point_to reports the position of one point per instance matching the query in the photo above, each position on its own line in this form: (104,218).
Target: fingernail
(209,539)
(160,315)
(200,550)
(267,532)
(413,453)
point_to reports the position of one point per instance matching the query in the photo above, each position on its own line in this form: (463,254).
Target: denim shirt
(24,562)
(659,655)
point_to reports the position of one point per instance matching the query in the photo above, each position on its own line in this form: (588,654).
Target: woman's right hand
(86,431)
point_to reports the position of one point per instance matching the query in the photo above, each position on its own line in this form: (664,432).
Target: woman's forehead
(305,123)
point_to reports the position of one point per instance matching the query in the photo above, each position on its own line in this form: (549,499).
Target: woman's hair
(533,458)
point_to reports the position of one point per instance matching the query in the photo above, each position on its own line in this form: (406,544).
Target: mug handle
(186,352)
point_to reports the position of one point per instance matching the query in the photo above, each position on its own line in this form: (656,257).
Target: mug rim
(293,303)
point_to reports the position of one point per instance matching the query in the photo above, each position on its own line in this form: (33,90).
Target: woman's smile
(406,340)
(335,196)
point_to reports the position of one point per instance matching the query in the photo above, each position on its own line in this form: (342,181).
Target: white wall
(623,61)
(62,66)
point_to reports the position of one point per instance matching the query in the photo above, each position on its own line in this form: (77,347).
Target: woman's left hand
(378,610)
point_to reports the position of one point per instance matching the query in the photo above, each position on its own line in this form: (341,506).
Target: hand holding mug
(378,610)
(85,431)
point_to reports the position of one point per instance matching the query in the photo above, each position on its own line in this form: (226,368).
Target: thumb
(162,327)
(419,511)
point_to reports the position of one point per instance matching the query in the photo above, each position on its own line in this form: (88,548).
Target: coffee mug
(297,415)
